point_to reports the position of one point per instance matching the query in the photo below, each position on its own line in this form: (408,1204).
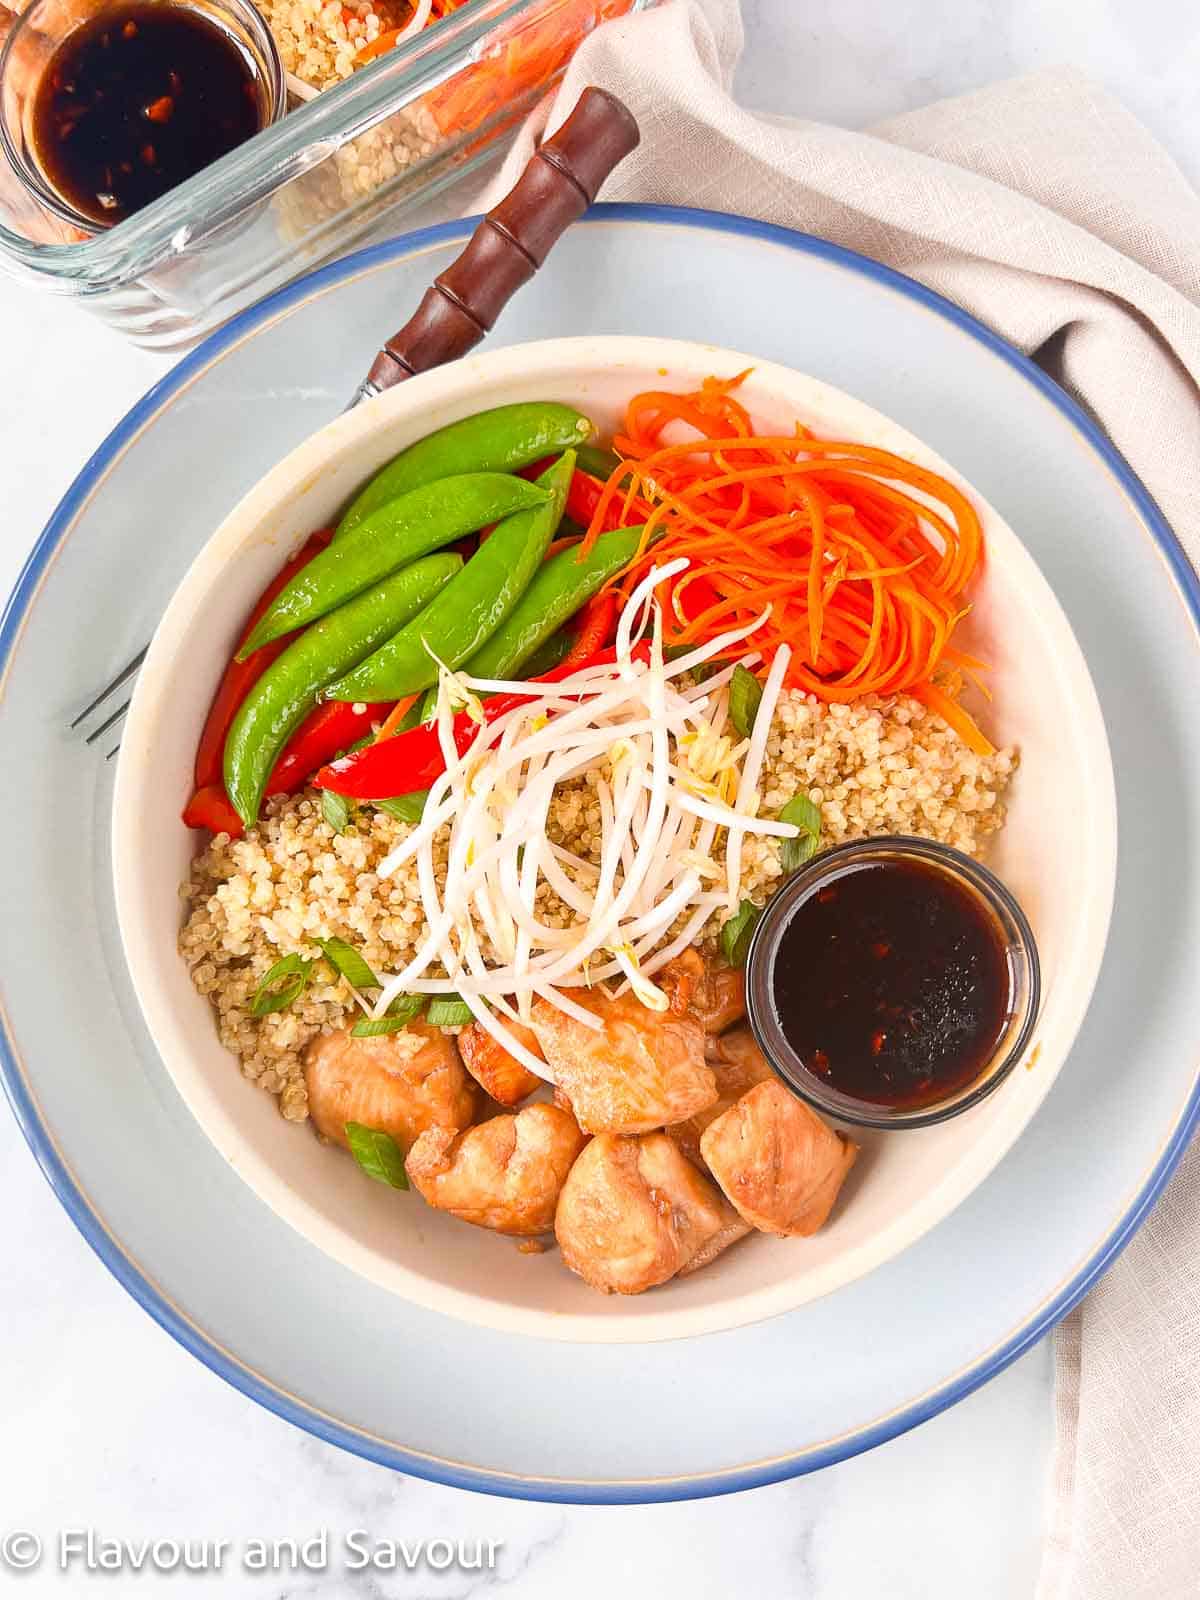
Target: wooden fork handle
(510,244)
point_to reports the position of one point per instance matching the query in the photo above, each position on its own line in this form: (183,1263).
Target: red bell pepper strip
(597,621)
(413,760)
(240,676)
(328,728)
(583,500)
(210,808)
(583,497)
(400,765)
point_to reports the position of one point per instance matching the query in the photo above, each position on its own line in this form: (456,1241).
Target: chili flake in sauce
(135,100)
(892,983)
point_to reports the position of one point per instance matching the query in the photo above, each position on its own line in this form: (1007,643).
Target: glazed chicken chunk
(398,1083)
(491,1065)
(776,1160)
(737,1064)
(712,992)
(504,1174)
(635,1211)
(639,1070)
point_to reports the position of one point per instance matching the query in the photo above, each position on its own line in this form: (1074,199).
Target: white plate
(1058,858)
(492,1411)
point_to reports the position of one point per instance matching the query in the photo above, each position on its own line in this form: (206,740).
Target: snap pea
(501,440)
(559,587)
(599,462)
(408,527)
(470,608)
(549,655)
(289,688)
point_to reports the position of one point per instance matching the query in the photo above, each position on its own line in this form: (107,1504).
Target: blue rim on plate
(221,1361)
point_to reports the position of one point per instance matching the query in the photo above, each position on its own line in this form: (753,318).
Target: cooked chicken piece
(562,1100)
(634,1212)
(504,1174)
(398,1083)
(720,1000)
(737,1064)
(736,1059)
(641,1069)
(776,1160)
(491,1065)
(711,991)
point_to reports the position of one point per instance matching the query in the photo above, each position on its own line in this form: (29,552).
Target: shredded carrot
(395,717)
(951,712)
(523,62)
(378,46)
(557,546)
(856,557)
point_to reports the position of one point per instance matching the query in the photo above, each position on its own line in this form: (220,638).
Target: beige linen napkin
(1043,207)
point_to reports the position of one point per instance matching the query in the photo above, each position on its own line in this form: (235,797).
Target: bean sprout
(632,730)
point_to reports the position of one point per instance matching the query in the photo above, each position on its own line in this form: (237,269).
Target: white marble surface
(105,1422)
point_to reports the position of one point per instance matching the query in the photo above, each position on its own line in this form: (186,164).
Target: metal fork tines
(126,674)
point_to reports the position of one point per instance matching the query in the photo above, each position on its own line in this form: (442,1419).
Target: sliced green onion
(336,810)
(375,1027)
(378,1154)
(405,1008)
(672,652)
(282,986)
(804,814)
(347,961)
(745,693)
(404,807)
(735,933)
(448,1011)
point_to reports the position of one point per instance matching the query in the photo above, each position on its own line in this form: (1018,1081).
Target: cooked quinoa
(875,767)
(319,42)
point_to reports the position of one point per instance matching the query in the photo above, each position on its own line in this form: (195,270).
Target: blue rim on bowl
(1021,958)
(1028,1326)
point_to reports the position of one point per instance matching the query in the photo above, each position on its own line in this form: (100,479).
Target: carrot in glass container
(519,65)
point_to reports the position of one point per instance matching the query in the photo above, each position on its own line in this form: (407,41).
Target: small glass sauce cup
(1013,933)
(45,25)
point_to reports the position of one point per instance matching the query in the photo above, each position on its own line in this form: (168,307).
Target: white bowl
(1057,853)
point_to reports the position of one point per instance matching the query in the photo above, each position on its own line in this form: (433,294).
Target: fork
(462,304)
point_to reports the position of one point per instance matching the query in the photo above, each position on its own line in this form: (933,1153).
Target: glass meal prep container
(348,164)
